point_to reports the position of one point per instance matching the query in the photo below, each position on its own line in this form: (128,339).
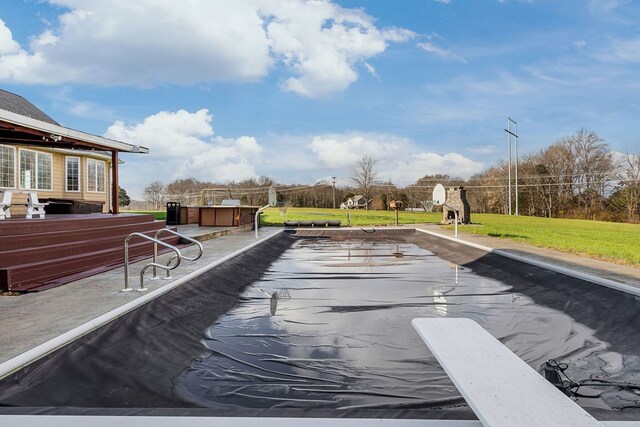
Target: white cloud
(340,152)
(223,160)
(484,149)
(150,42)
(322,43)
(344,150)
(622,51)
(182,145)
(7,44)
(612,11)
(371,69)
(598,7)
(439,51)
(420,164)
(167,134)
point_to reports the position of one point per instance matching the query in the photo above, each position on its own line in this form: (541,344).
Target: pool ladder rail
(178,257)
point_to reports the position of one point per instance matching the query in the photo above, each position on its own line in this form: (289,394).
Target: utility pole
(513,134)
(334,191)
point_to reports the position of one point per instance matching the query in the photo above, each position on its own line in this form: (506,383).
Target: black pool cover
(320,327)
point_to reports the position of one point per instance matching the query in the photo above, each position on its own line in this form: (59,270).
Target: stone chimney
(457,200)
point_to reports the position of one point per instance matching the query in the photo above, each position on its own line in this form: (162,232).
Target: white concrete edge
(619,286)
(162,421)
(14,364)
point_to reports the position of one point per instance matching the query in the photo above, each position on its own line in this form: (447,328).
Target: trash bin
(173,213)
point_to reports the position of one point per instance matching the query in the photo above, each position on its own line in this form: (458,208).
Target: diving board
(501,389)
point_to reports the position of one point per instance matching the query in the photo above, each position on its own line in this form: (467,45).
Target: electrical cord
(554,371)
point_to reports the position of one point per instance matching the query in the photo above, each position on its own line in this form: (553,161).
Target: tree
(154,193)
(627,194)
(595,168)
(185,191)
(364,175)
(123,197)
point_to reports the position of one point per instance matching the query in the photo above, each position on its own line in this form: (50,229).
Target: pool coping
(613,284)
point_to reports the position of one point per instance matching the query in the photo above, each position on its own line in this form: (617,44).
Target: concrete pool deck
(607,270)
(32,319)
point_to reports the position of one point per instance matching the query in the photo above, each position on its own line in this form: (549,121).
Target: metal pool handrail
(182,236)
(151,264)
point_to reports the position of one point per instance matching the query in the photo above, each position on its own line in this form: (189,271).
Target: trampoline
(317,324)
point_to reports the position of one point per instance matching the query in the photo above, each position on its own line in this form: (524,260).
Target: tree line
(576,177)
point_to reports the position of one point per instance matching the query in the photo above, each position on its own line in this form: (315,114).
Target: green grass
(615,242)
(609,241)
(359,218)
(156,214)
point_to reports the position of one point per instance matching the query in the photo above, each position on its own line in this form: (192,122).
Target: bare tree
(364,175)
(595,168)
(628,192)
(154,193)
(186,191)
(557,169)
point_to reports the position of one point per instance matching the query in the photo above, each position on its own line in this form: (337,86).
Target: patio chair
(5,204)
(35,207)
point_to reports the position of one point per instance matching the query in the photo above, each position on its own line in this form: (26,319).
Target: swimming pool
(320,326)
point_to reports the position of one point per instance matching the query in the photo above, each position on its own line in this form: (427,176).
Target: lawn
(610,241)
(615,242)
(358,218)
(156,214)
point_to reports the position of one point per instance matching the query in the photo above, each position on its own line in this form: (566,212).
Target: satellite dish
(439,195)
(273,197)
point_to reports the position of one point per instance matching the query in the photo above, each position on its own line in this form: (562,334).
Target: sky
(299,91)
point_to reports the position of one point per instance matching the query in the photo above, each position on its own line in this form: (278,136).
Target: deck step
(20,226)
(70,248)
(42,253)
(34,240)
(46,274)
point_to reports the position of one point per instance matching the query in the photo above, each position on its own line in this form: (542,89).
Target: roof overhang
(22,130)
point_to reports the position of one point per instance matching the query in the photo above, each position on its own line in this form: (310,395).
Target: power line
(496,178)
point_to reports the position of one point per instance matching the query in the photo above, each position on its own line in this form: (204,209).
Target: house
(356,202)
(377,204)
(79,171)
(38,154)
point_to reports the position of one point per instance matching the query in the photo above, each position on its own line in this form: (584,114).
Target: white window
(35,170)
(72,175)
(95,176)
(7,167)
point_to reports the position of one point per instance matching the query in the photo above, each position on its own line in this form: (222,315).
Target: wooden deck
(40,253)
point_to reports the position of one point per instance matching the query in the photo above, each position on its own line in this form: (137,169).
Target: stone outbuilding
(456,200)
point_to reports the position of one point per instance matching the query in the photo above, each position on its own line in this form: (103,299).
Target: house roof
(358,197)
(22,123)
(19,105)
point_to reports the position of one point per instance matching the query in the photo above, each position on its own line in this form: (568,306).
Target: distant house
(38,154)
(356,202)
(377,204)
